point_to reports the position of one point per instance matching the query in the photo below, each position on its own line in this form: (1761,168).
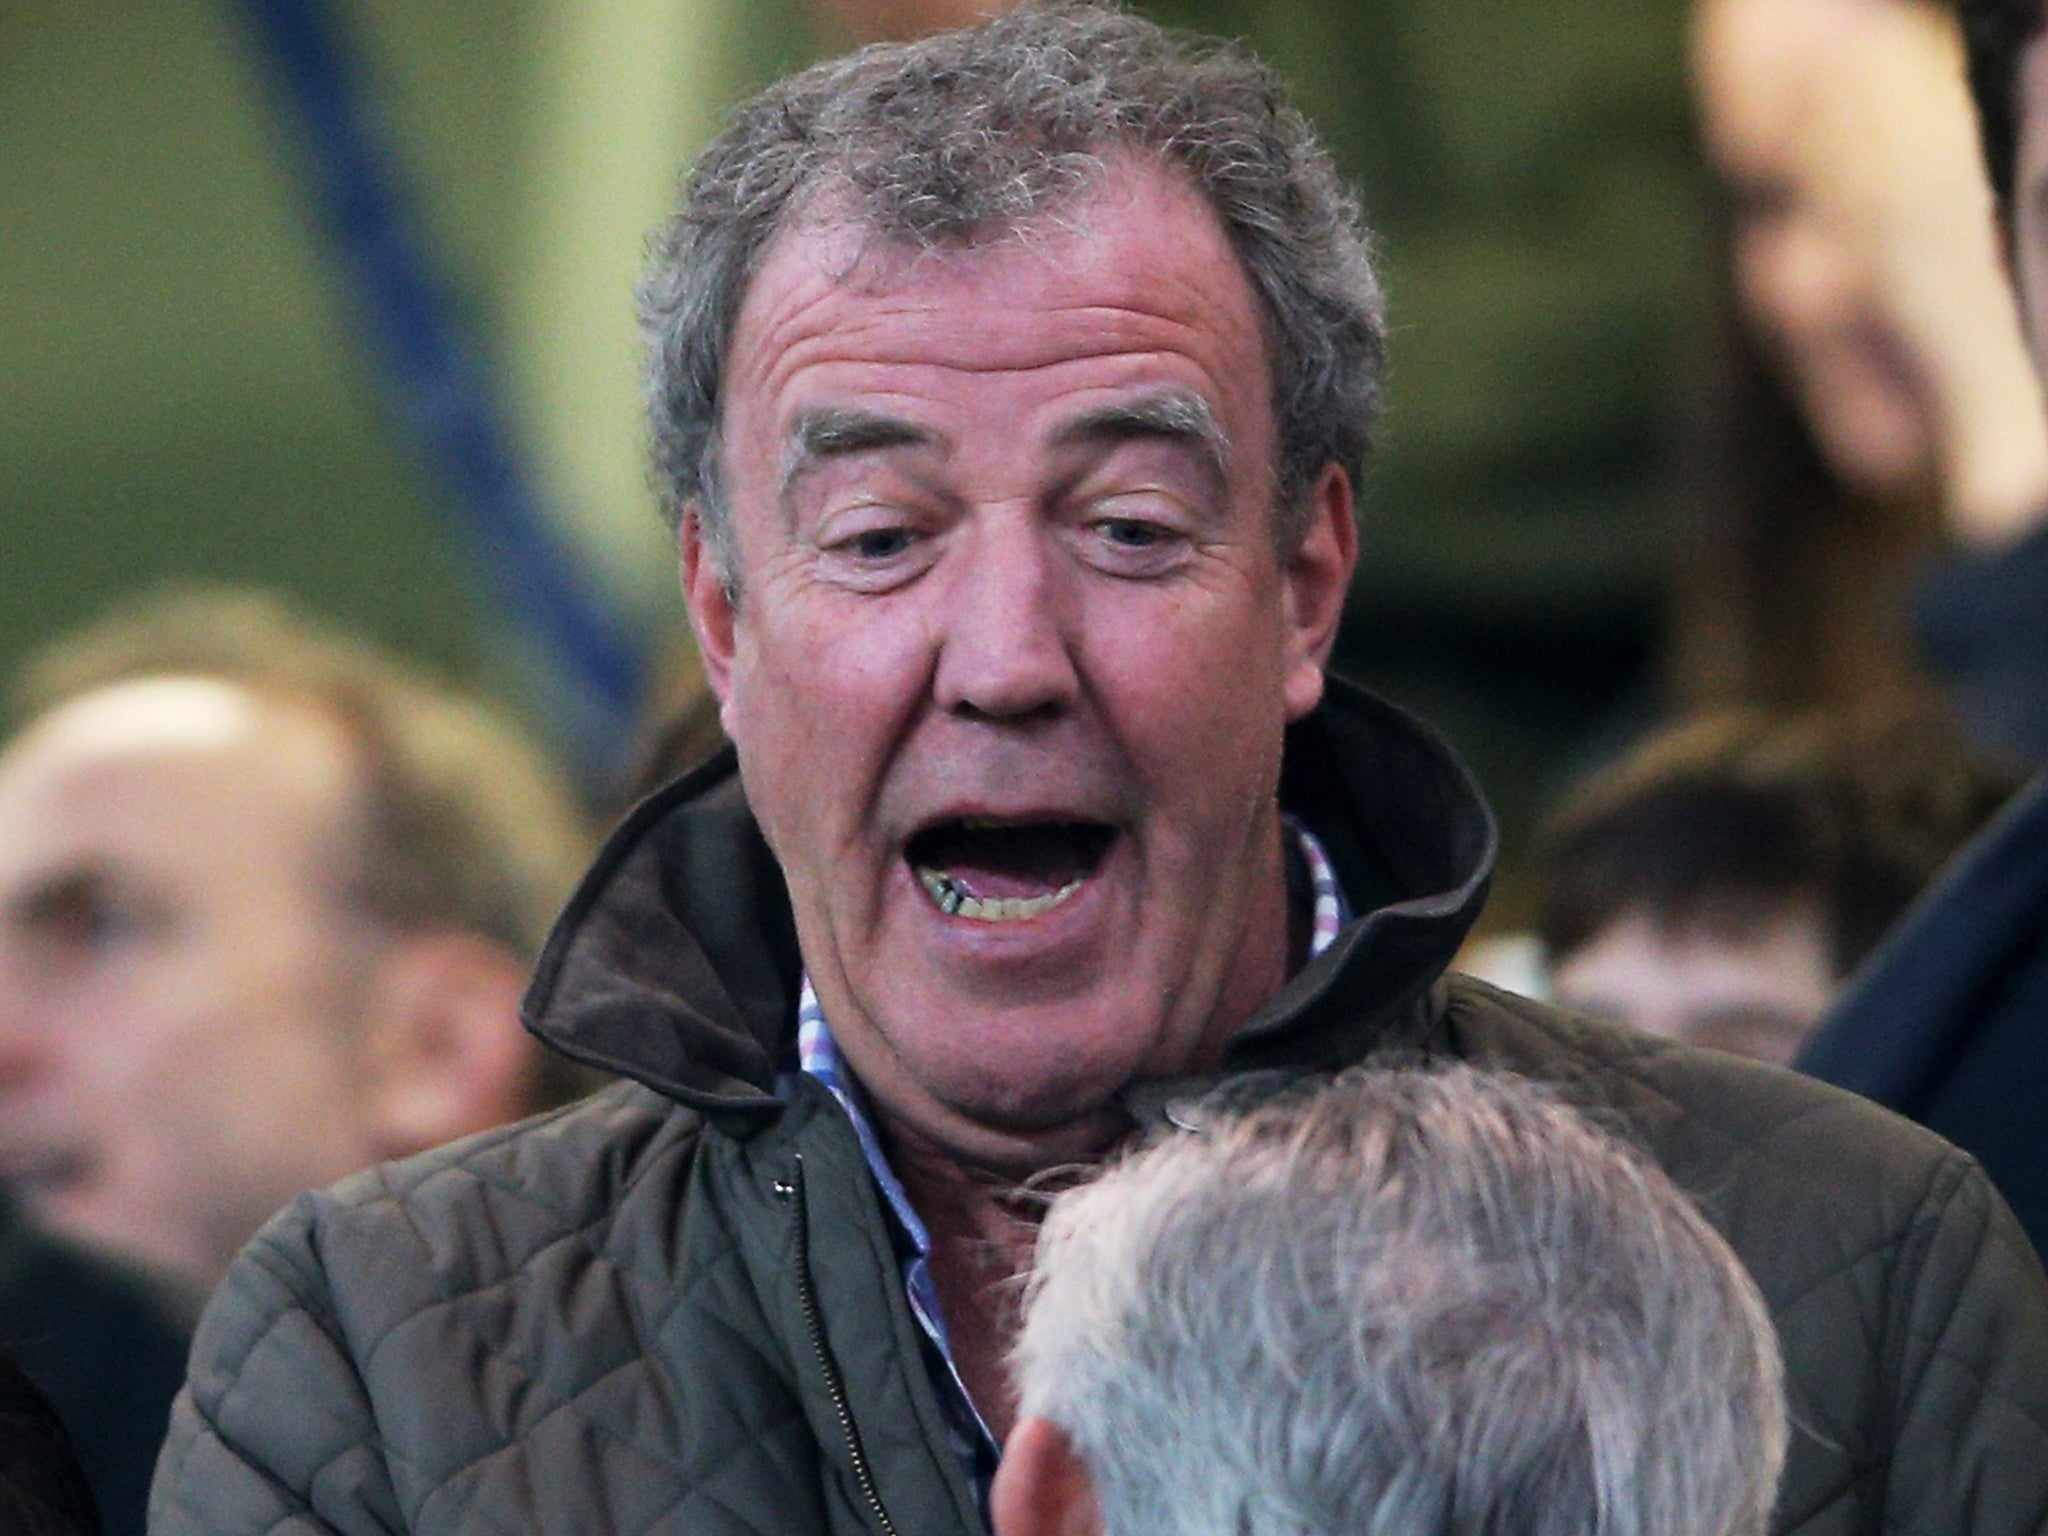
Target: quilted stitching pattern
(1911,1309)
(546,1330)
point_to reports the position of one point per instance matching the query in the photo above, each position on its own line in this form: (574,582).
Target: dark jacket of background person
(1982,623)
(108,1349)
(43,1491)
(678,1308)
(1948,1021)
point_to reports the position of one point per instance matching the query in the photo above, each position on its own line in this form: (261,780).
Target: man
(266,905)
(1010,387)
(1410,1302)
(1718,882)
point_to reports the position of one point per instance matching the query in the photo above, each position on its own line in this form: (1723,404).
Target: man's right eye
(878,543)
(88,919)
(873,549)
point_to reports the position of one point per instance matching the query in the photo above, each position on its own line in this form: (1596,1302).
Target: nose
(1004,635)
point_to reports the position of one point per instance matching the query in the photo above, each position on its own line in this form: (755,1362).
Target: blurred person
(677,730)
(1948,1022)
(1863,249)
(1718,883)
(1403,1302)
(267,902)
(106,1341)
(1865,257)
(43,1490)
(2006,636)
(1009,391)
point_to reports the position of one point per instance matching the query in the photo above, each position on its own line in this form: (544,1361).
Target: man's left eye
(1131,532)
(1136,547)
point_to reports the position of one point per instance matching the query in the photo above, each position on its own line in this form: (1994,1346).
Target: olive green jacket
(676,1307)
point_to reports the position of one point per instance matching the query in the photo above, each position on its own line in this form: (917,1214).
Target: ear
(446,1052)
(710,602)
(1041,1487)
(1318,577)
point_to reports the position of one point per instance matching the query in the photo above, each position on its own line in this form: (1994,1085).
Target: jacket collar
(676,963)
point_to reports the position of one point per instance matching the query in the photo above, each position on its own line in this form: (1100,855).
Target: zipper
(792,1191)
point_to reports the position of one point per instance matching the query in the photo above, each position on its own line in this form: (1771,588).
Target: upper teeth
(954,902)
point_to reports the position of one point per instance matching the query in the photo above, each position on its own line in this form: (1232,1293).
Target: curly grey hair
(977,133)
(1415,1301)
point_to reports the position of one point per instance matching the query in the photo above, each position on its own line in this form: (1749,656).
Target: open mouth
(1005,872)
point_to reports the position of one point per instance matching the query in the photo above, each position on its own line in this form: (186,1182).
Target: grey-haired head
(1412,1301)
(981,133)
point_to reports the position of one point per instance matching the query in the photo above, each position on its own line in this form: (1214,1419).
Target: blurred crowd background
(194,388)
(1707,519)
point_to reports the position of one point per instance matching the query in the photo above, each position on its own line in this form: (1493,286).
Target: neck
(982,1216)
(982,1190)
(983,1228)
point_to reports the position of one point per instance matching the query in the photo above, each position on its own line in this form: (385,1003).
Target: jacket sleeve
(1970,1311)
(273,1432)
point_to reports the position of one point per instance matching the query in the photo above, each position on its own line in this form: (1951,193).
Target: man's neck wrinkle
(983,1228)
(943,1185)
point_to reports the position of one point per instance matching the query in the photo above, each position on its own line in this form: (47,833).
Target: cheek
(816,701)
(1201,706)
(1799,280)
(156,1026)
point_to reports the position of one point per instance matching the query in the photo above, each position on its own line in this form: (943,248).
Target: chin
(1038,1092)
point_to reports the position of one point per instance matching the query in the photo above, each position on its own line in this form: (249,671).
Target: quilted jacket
(676,1307)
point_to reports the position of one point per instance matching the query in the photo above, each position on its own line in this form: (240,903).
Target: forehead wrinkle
(1038,337)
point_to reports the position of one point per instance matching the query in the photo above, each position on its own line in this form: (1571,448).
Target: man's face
(175,968)
(1756,990)
(1014,649)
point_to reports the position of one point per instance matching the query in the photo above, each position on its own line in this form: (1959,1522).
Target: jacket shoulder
(343,1338)
(1912,1310)
(1709,1117)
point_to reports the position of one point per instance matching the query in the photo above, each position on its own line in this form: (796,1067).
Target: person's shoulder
(448,1224)
(414,1292)
(106,1342)
(1751,1141)
(566,1166)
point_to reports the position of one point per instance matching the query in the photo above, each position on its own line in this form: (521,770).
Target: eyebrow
(1175,415)
(832,432)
